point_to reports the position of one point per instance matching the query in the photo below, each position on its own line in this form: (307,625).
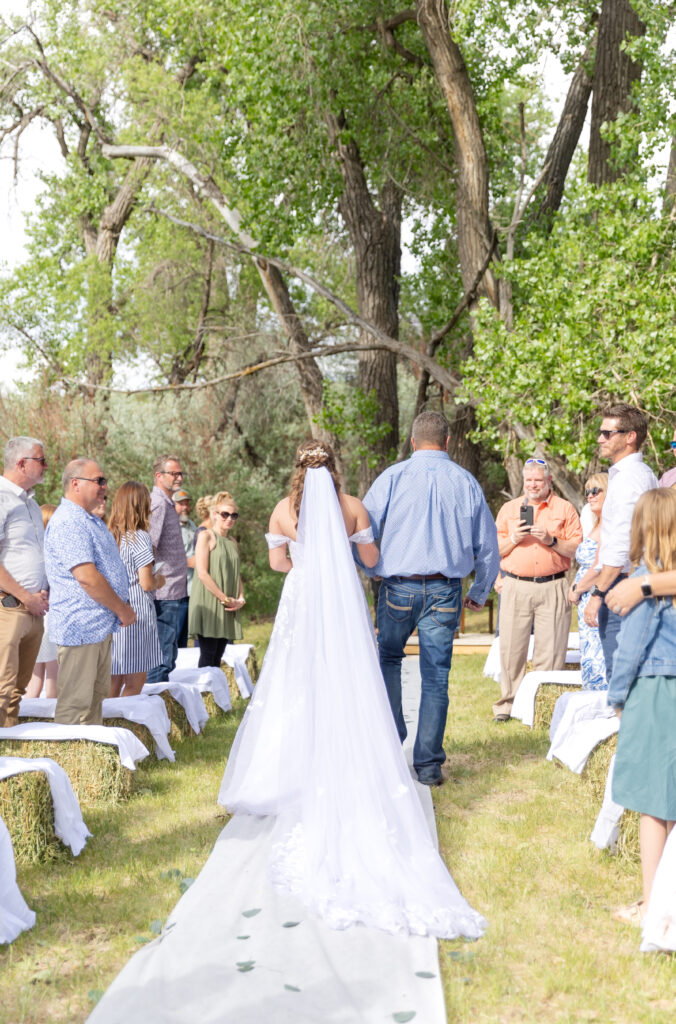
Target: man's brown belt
(535,579)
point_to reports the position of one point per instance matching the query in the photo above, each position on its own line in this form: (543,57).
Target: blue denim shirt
(75,537)
(646,645)
(429,515)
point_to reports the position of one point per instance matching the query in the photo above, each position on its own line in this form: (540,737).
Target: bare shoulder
(282,520)
(355,515)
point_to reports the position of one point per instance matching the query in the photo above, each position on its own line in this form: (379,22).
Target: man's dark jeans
(169,617)
(434,606)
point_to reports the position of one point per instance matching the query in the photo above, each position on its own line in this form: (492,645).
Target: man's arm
(486,555)
(100,590)
(36,604)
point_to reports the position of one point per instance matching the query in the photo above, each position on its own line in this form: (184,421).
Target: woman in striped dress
(136,649)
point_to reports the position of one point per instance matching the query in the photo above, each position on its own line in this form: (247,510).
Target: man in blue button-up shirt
(89,588)
(433,526)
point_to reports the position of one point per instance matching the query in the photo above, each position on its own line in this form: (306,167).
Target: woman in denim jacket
(643,691)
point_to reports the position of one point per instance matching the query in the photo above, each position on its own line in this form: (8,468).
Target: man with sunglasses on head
(538,533)
(89,588)
(171,601)
(621,435)
(23,593)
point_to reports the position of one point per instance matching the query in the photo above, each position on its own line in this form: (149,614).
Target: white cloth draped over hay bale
(212,683)
(524,706)
(190,699)
(595,723)
(492,663)
(15,914)
(239,658)
(659,923)
(98,759)
(64,815)
(146,710)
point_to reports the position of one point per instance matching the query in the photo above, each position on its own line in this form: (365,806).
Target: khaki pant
(522,604)
(82,683)
(20,639)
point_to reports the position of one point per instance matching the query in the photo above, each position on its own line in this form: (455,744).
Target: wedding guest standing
(23,594)
(216,596)
(592,663)
(88,594)
(171,601)
(46,666)
(136,649)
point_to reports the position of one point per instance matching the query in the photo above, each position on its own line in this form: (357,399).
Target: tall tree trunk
(614,75)
(375,233)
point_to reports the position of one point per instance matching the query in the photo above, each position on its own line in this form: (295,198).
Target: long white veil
(319,748)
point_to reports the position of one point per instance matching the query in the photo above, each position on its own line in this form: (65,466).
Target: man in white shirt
(23,593)
(622,433)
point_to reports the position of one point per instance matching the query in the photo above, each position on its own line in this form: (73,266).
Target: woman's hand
(626,595)
(573,596)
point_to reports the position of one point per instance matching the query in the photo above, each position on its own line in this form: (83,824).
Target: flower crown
(311,453)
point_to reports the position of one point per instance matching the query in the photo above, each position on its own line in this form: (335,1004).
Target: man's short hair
(430,428)
(74,468)
(19,448)
(629,418)
(537,463)
(160,463)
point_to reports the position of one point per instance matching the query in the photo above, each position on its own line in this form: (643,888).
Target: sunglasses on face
(593,491)
(169,472)
(35,458)
(607,434)
(102,481)
(228,515)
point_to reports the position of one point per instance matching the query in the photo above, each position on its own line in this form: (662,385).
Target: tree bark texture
(375,233)
(566,137)
(614,75)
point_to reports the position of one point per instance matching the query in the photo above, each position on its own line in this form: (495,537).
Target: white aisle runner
(236,950)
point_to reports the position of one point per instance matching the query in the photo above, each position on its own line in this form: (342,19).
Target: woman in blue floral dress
(591,652)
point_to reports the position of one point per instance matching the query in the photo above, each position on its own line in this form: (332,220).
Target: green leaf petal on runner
(156,926)
(251,913)
(141,939)
(94,994)
(185,884)
(290,924)
(424,974)
(403,1015)
(291,988)
(243,936)
(245,965)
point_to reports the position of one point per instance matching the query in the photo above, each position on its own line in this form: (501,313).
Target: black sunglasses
(593,491)
(607,434)
(102,481)
(34,458)
(228,515)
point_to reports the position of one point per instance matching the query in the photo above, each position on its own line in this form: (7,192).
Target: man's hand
(519,532)
(625,596)
(573,596)
(541,534)
(591,612)
(127,615)
(472,605)
(37,604)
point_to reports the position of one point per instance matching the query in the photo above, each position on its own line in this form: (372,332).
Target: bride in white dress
(318,747)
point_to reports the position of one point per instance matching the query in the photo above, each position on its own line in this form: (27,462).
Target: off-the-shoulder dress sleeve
(362,537)
(276,540)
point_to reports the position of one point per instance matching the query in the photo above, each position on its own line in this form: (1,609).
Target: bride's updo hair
(311,455)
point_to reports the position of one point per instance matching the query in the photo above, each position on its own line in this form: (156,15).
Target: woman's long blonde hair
(311,455)
(653,531)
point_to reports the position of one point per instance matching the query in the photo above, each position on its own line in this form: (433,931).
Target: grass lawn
(512,829)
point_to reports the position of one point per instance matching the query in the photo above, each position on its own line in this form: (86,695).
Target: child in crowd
(643,692)
(46,666)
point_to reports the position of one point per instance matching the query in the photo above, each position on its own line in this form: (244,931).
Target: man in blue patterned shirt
(88,595)
(433,526)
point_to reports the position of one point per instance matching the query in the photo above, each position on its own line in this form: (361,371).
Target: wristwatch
(553,543)
(646,589)
(595,592)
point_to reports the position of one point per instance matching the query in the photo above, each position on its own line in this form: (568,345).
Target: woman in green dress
(216,596)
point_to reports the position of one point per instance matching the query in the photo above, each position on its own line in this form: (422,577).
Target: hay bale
(95,771)
(545,699)
(180,726)
(28,812)
(252,665)
(141,732)
(235,695)
(594,777)
(211,705)
(628,845)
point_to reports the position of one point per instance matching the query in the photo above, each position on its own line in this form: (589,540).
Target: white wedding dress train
(318,750)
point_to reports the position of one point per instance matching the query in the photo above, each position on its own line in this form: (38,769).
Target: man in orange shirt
(535,559)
